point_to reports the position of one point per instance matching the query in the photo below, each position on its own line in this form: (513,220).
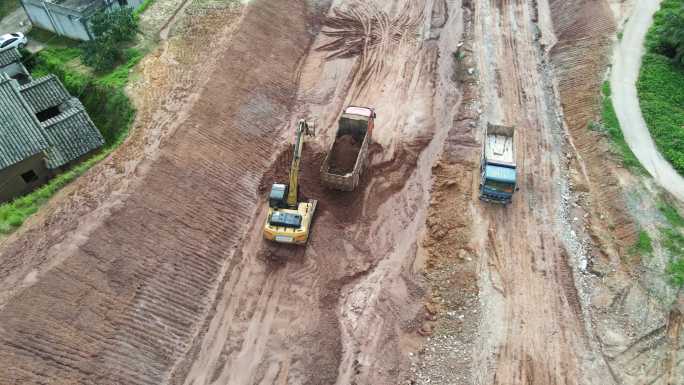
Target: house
(70,17)
(10,64)
(42,131)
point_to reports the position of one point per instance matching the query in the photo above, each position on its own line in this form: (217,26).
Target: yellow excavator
(288,220)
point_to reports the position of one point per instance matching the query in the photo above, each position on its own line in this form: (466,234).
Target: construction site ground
(151,268)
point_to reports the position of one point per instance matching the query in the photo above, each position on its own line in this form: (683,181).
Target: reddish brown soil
(343,155)
(152,269)
(123,301)
(346,207)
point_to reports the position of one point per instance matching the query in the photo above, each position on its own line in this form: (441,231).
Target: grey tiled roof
(21,135)
(71,135)
(44,93)
(9,56)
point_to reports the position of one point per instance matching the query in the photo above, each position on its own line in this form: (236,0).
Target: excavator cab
(288,220)
(277,199)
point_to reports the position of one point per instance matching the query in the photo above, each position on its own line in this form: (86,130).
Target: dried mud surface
(113,299)
(151,269)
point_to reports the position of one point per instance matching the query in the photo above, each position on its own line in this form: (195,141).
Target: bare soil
(343,155)
(151,269)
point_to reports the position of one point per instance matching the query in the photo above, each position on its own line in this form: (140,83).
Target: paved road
(15,21)
(626,64)
(18,21)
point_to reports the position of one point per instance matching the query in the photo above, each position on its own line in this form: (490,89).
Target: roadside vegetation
(661,82)
(100,87)
(644,244)
(672,239)
(611,126)
(7,6)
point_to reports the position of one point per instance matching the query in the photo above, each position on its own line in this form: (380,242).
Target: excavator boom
(302,129)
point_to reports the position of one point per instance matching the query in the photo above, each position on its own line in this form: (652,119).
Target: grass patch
(13,214)
(49,38)
(7,7)
(611,126)
(672,241)
(108,106)
(676,272)
(142,8)
(644,244)
(661,92)
(671,214)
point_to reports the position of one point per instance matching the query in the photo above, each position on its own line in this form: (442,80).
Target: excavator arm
(302,129)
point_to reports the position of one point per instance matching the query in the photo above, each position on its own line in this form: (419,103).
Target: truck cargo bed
(346,160)
(499,145)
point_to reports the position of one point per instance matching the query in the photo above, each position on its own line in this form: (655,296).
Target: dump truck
(497,168)
(348,156)
(288,219)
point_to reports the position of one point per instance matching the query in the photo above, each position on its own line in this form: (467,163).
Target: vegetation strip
(611,126)
(661,82)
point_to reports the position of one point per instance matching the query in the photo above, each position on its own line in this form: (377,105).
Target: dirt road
(623,78)
(533,330)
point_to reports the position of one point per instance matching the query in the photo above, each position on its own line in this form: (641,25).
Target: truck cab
(498,169)
(498,183)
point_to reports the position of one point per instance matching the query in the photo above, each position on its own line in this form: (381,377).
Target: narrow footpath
(626,64)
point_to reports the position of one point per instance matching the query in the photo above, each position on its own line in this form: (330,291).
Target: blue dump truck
(497,169)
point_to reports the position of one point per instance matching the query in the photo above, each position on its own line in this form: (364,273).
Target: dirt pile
(343,155)
(346,206)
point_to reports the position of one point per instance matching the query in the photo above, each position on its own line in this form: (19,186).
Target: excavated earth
(151,269)
(343,155)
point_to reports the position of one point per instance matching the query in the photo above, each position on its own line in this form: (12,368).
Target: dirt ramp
(125,307)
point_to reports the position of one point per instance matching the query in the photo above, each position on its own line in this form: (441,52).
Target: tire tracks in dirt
(124,304)
(532,331)
(347,304)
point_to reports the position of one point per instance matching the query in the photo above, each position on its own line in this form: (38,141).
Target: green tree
(671,33)
(112,31)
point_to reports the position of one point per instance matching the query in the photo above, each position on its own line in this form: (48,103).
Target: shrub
(667,34)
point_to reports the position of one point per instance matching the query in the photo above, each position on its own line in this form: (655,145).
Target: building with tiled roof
(42,129)
(11,65)
(9,56)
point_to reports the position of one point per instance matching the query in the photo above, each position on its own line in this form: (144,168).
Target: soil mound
(344,154)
